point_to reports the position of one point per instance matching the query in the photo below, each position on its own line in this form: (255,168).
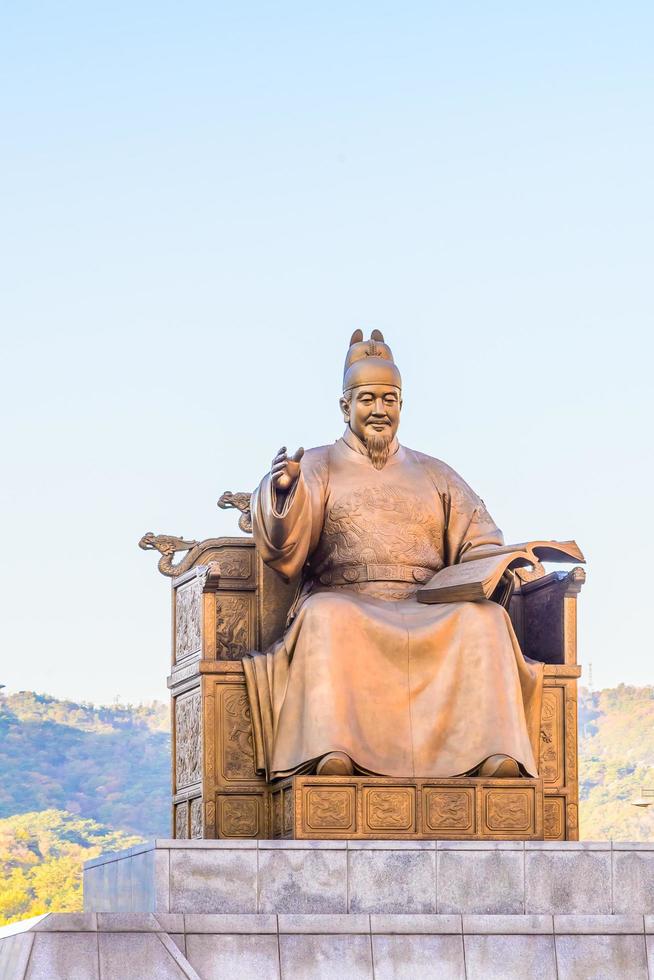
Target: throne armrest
(544,615)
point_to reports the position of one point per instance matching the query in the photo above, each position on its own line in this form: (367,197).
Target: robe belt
(348,574)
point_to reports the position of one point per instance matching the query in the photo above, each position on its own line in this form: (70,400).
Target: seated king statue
(365,678)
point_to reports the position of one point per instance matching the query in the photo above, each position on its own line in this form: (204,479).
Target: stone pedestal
(361,910)
(382,876)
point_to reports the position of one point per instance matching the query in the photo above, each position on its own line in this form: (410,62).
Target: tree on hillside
(41,861)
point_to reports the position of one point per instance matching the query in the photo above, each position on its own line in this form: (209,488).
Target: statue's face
(372,410)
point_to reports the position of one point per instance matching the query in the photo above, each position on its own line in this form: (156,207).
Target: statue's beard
(378,445)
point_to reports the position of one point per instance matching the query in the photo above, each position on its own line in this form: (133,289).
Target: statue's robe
(404,688)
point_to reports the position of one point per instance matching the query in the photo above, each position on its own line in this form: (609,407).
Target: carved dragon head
(147,541)
(165,544)
(239,501)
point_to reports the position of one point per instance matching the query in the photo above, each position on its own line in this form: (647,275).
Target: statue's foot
(335,764)
(499,767)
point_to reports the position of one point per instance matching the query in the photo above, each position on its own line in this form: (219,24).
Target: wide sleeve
(285,529)
(468,525)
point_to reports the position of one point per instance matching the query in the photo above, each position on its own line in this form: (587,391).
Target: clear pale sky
(200,202)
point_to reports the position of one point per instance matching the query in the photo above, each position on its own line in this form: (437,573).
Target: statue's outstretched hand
(284,470)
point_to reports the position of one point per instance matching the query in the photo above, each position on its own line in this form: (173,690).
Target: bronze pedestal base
(376,807)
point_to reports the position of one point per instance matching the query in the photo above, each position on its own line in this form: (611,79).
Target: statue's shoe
(335,764)
(499,767)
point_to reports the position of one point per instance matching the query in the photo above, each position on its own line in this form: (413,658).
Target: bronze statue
(366,678)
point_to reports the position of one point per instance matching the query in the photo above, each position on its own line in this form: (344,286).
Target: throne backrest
(227,602)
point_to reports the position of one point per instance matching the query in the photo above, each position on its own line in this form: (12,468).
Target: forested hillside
(616,759)
(110,764)
(78,780)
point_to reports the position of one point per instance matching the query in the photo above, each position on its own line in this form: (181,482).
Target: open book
(479,577)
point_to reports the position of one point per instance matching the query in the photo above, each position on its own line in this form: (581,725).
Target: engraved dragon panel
(235,563)
(236,739)
(234,627)
(551,736)
(196,818)
(181,821)
(188,760)
(389,810)
(238,816)
(449,809)
(330,809)
(507,811)
(188,637)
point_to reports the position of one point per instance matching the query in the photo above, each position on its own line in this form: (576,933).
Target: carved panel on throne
(235,625)
(188,740)
(558,752)
(227,602)
(241,815)
(237,797)
(187,621)
(377,807)
(448,810)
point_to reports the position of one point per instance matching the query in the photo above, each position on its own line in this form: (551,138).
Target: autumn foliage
(41,860)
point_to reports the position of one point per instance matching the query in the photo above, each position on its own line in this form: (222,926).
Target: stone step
(133,946)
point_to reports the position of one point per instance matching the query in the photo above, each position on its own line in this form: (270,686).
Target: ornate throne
(225,602)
